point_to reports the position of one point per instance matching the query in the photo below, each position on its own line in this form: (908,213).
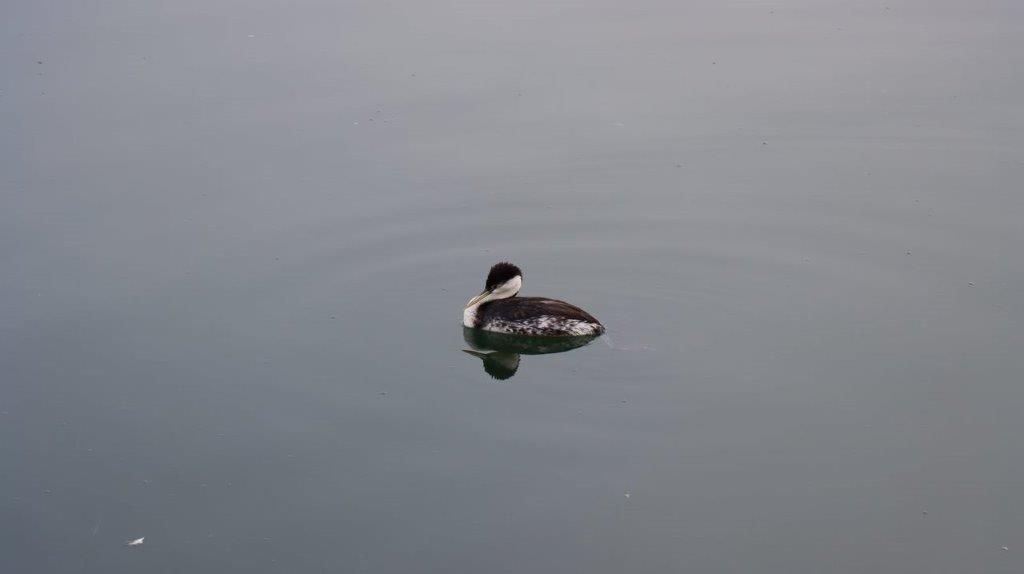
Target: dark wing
(524,308)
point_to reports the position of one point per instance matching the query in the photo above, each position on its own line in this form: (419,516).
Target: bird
(498,309)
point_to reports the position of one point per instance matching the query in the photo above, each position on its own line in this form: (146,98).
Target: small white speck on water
(970,283)
(1006,548)
(627,495)
(136,542)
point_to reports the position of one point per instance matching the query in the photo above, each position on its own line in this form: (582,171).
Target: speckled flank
(544,325)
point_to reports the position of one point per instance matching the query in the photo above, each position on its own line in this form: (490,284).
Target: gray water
(236,239)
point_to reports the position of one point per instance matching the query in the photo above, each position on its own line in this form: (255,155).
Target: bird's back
(537,316)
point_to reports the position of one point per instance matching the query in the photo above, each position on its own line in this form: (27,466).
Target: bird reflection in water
(501,352)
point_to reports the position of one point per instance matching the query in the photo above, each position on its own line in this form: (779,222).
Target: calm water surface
(236,239)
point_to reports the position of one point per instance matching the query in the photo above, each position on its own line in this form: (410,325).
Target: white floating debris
(627,495)
(1006,548)
(136,542)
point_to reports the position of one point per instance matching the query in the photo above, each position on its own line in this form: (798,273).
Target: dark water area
(236,239)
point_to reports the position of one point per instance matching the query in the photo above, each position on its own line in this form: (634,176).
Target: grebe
(498,309)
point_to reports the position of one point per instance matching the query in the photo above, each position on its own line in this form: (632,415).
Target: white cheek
(509,288)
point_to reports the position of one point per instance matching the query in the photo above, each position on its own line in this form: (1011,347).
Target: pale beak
(478,298)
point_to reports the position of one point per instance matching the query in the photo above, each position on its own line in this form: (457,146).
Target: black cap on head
(501,273)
